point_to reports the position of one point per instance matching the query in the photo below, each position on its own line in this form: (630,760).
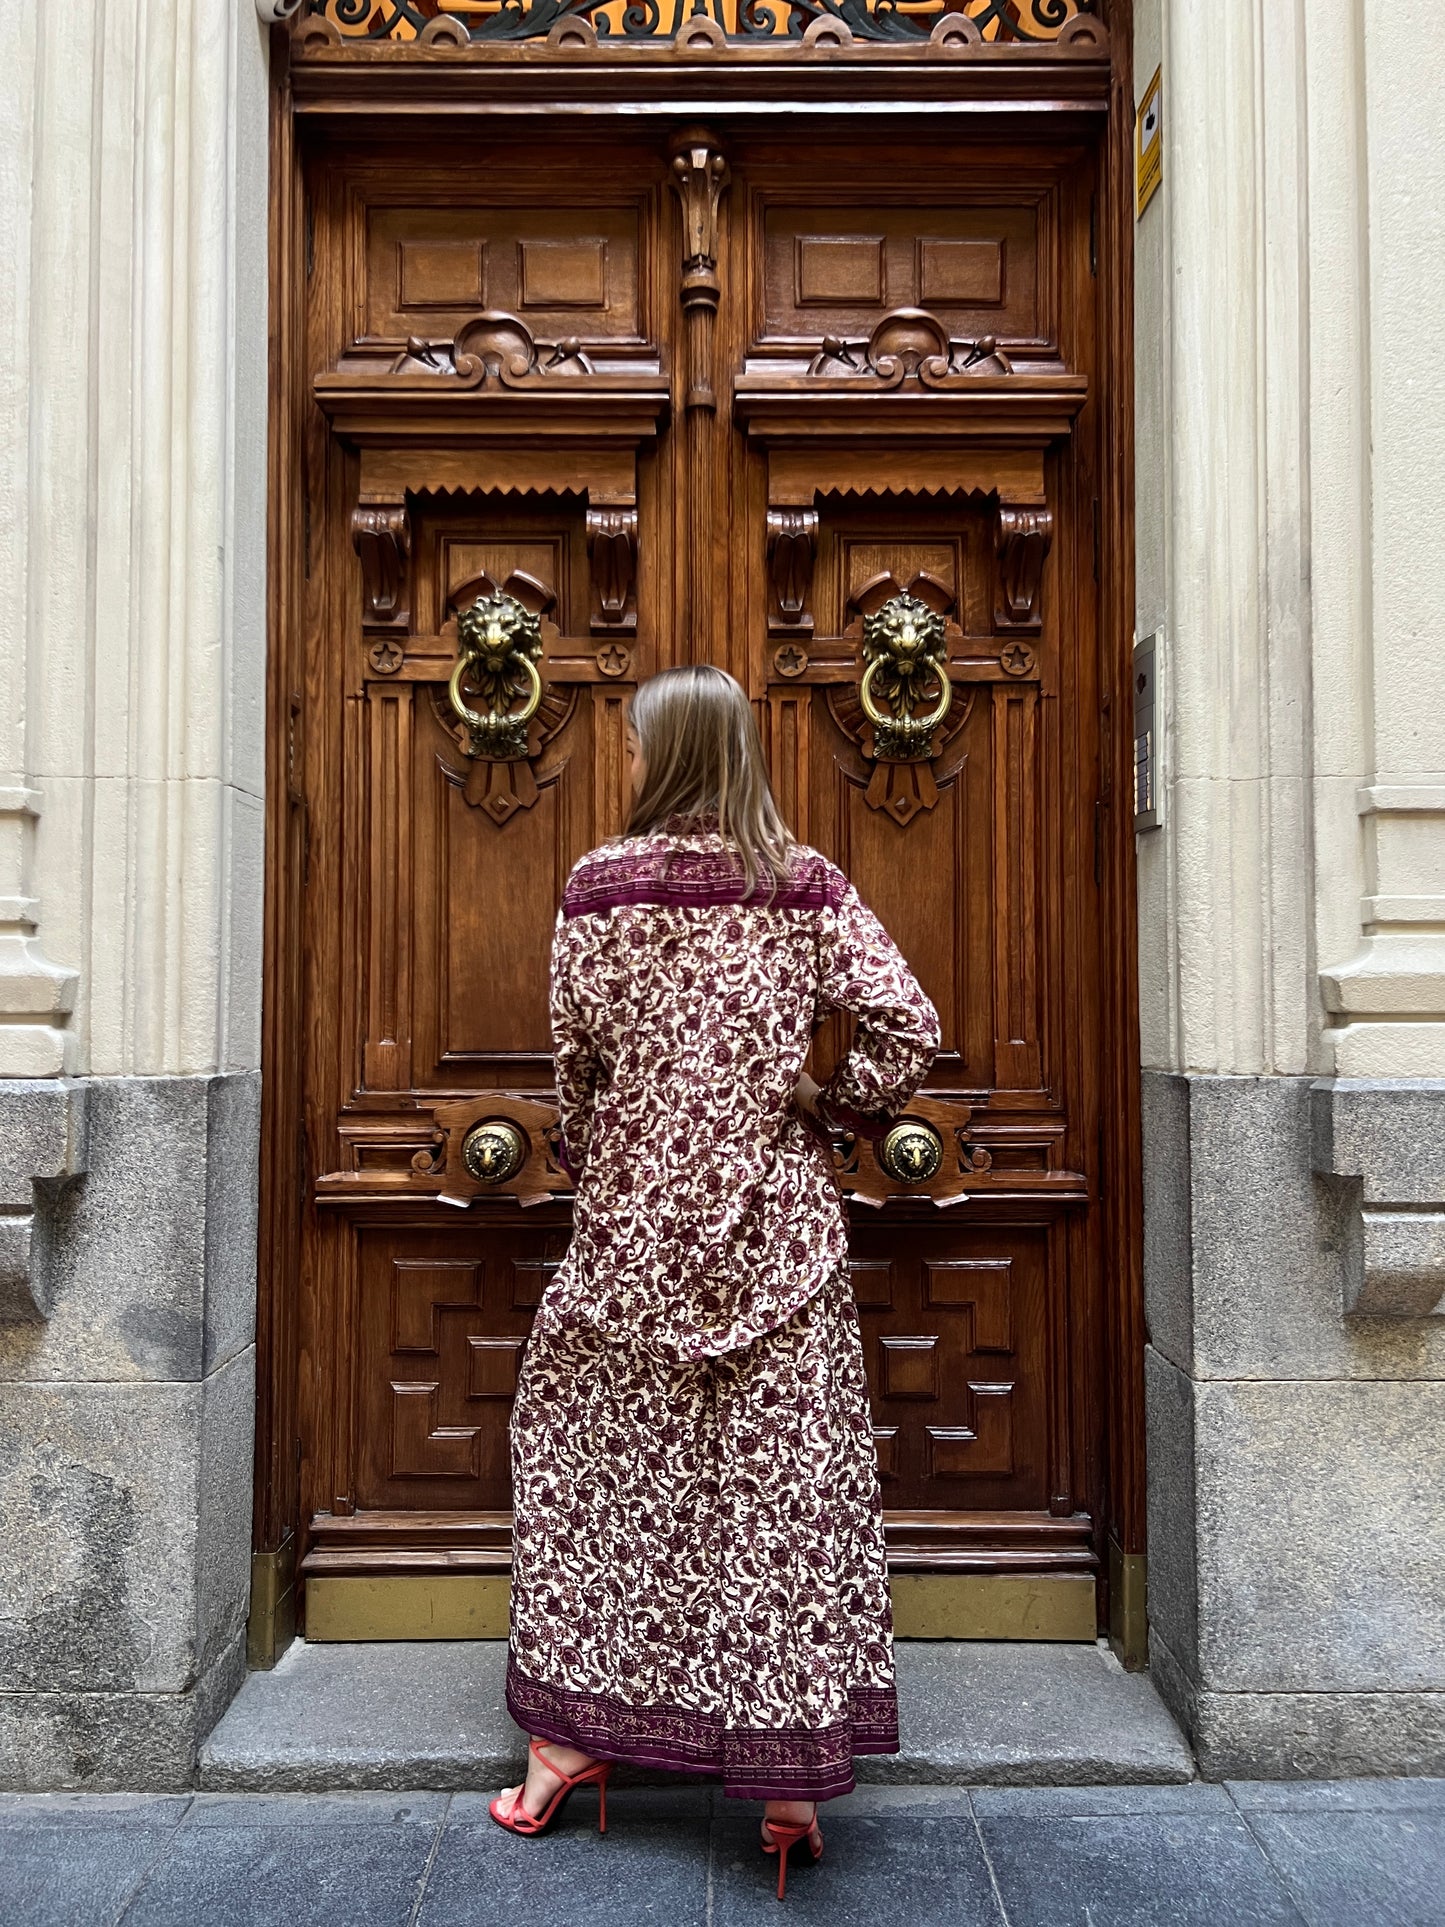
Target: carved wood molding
(494,378)
(601,470)
(912,345)
(1022,538)
(792,550)
(612,549)
(381,536)
(699,175)
(1052,28)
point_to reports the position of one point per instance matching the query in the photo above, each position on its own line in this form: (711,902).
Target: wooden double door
(786,405)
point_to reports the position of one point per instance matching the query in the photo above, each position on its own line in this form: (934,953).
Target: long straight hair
(705,760)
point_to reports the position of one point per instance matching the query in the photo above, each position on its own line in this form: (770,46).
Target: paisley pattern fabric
(707,1209)
(698,1572)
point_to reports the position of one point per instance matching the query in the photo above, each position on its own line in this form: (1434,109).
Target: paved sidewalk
(1326,1854)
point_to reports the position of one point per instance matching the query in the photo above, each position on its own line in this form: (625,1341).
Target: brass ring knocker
(904,642)
(492,721)
(497,636)
(905,726)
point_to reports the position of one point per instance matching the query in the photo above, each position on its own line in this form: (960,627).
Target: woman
(698,1575)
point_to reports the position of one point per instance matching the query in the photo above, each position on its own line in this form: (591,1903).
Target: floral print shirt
(707,1207)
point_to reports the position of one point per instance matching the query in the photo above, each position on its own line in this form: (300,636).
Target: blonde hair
(704,759)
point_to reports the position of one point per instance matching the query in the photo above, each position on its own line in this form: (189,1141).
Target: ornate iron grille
(741,20)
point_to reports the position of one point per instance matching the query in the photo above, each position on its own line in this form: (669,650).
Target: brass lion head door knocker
(499,644)
(905,690)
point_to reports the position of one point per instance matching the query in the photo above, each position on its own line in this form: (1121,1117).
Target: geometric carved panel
(530,1278)
(564,274)
(984,1445)
(885,1438)
(441,274)
(977,1285)
(969,272)
(830,267)
(909,1367)
(492,1366)
(422,1449)
(872,1284)
(838,268)
(419,1291)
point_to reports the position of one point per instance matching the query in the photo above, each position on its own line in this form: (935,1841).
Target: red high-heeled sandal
(779,1835)
(516,1818)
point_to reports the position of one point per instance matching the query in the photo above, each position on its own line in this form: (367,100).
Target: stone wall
(133,394)
(126,1442)
(1291,445)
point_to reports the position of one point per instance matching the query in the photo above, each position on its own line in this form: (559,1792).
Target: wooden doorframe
(363,90)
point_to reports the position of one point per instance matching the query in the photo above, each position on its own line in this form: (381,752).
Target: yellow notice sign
(1148,144)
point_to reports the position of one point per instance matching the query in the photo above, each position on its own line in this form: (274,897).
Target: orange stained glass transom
(878,20)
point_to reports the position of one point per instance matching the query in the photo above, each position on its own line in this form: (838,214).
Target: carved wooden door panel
(575,420)
(910,354)
(491,496)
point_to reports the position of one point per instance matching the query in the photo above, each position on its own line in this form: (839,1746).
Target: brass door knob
(494,1150)
(912,1152)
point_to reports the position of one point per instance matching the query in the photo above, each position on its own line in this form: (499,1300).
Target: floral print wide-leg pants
(698,1575)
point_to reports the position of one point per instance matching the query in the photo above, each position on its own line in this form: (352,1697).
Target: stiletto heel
(780,1835)
(516,1819)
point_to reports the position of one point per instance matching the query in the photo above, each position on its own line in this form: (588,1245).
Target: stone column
(133,181)
(1291,445)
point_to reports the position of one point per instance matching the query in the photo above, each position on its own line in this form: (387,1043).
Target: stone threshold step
(429,1715)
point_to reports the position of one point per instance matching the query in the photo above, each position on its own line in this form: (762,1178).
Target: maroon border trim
(754,1763)
(694,879)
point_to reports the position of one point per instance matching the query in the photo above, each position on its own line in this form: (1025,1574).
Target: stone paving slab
(916,1856)
(430,1714)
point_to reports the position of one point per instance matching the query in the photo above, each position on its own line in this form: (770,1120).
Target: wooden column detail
(1021,541)
(792,549)
(699,175)
(381,536)
(612,547)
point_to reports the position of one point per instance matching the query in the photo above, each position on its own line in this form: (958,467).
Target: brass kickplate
(926,1605)
(454,1605)
(946,1605)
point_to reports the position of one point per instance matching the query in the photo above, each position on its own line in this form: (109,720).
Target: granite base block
(124,1531)
(1297,1736)
(1252,1252)
(126,1443)
(114,1742)
(151,1254)
(1321,1537)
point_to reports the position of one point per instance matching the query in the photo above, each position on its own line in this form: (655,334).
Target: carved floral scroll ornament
(495,347)
(910,345)
(434,23)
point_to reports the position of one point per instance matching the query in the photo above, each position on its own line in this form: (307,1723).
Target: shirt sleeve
(574,1053)
(863,973)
